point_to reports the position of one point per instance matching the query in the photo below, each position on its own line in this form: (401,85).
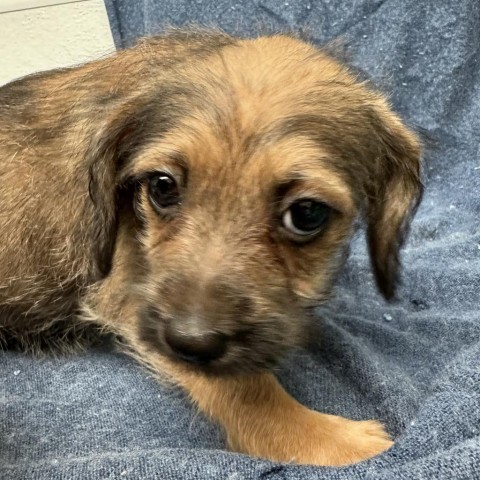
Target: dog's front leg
(261,419)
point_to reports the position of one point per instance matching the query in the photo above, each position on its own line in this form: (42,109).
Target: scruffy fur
(245,127)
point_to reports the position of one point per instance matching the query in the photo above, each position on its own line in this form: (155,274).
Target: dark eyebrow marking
(300,125)
(176,159)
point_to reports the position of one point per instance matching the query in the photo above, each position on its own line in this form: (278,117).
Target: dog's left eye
(163,191)
(306,217)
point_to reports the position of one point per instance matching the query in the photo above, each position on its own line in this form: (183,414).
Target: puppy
(195,195)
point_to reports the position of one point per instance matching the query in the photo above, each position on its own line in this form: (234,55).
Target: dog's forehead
(270,89)
(260,112)
(281,62)
(258,81)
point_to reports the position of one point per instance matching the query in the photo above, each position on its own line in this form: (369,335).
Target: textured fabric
(414,365)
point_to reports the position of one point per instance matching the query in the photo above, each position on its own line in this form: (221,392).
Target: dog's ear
(115,140)
(394,192)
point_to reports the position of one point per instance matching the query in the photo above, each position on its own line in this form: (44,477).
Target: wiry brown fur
(245,127)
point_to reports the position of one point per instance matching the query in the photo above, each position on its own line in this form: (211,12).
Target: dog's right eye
(163,191)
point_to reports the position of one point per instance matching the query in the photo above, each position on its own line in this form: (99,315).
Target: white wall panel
(41,34)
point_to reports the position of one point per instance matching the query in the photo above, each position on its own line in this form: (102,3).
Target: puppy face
(249,167)
(237,242)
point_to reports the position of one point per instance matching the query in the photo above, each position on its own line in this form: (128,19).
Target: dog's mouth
(249,348)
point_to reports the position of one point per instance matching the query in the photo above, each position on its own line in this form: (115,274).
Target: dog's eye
(163,191)
(306,217)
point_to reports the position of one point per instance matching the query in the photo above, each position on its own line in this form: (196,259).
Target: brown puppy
(193,195)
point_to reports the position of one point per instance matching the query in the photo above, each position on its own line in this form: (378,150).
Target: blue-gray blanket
(414,365)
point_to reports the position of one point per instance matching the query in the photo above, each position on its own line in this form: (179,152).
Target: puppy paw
(351,442)
(313,438)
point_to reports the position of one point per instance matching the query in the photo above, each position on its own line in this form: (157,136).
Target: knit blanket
(414,365)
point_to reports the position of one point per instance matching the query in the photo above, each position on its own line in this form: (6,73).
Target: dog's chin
(228,366)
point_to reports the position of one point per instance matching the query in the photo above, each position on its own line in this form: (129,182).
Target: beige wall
(42,34)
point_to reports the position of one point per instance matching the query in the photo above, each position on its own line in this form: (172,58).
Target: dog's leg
(263,420)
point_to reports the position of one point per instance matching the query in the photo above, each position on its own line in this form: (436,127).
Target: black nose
(196,347)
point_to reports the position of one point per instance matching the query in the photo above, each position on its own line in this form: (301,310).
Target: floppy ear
(394,195)
(115,140)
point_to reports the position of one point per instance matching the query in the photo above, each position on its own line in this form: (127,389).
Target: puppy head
(250,165)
